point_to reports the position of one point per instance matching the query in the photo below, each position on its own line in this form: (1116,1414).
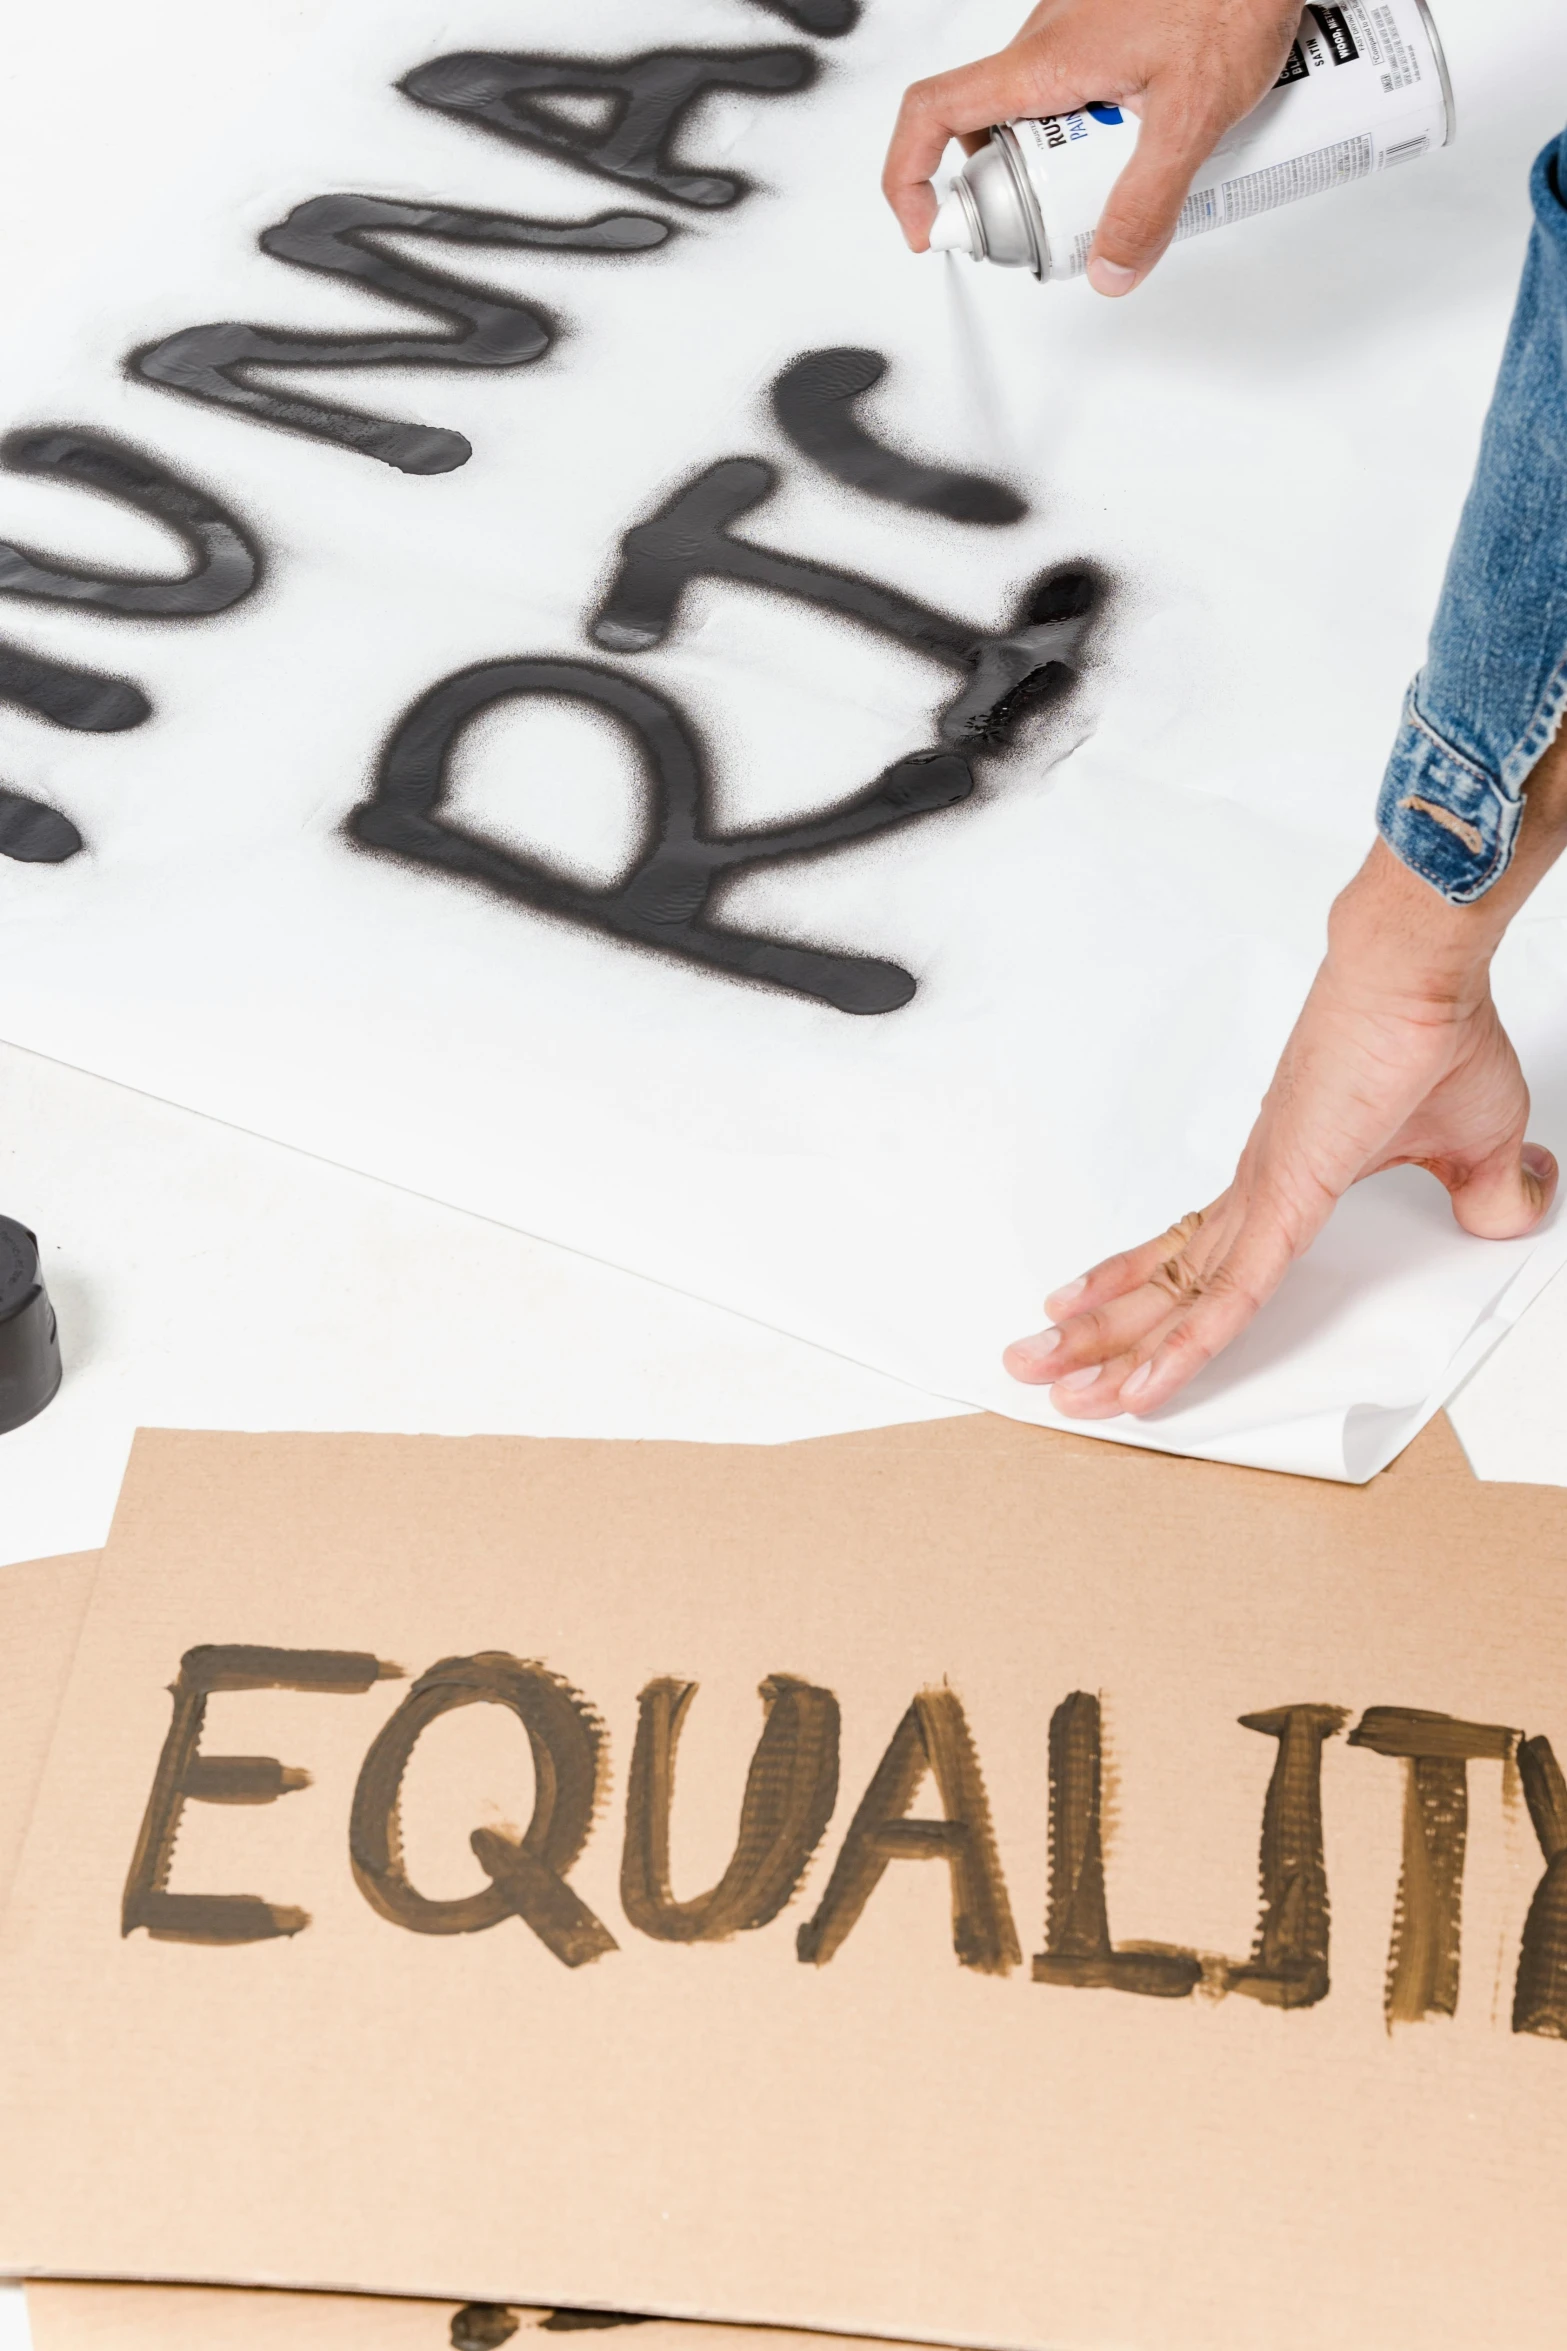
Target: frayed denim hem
(1442,816)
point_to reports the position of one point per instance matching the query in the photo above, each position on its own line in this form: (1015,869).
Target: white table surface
(205,1278)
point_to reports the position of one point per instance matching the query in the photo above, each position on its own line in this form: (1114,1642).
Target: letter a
(932,1737)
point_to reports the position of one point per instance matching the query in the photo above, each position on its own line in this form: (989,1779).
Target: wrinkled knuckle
(1187,1347)
(1225,1285)
(1178,1279)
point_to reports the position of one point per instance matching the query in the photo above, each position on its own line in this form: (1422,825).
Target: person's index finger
(947,107)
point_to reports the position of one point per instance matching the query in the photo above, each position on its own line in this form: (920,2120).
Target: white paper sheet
(1263,455)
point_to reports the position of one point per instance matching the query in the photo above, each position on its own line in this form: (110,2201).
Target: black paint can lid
(29,1341)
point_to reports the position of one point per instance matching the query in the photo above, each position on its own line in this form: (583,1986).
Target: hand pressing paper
(662,1877)
(665,720)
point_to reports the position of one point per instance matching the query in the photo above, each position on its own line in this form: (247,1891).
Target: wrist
(1390,932)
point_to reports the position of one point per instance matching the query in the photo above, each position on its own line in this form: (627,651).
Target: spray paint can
(1365,87)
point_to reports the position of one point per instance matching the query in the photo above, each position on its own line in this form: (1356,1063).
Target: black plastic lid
(29,1341)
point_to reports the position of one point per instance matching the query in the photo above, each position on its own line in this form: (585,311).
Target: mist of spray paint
(977,373)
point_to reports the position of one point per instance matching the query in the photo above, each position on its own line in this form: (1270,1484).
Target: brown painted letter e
(185,1776)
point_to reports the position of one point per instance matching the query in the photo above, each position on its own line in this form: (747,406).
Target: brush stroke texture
(1424,1953)
(483,2326)
(790,1791)
(933,1738)
(527,1875)
(1078,1952)
(185,1776)
(1288,1967)
(1540,1995)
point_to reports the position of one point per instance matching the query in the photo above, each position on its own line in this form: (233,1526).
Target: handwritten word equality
(790,1794)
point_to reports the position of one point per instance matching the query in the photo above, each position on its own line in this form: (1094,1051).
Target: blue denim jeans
(1494,686)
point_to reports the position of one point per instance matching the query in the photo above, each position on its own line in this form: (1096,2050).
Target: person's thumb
(1144,205)
(1505,1196)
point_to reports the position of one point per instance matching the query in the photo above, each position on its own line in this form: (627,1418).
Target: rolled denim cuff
(1442,816)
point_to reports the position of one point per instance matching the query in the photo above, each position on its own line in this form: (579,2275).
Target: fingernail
(1037,1349)
(1081,1379)
(1136,1381)
(1540,1162)
(1109,277)
(1059,1300)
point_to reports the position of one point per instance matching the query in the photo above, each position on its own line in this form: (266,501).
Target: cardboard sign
(42,1605)
(217,2318)
(222,2318)
(946,1882)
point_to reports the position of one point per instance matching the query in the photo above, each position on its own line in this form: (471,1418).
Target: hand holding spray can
(1364,87)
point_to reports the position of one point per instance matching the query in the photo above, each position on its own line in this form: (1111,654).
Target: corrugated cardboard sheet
(502,2046)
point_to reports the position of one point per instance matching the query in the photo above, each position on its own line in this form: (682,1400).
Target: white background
(205,1278)
(1267,449)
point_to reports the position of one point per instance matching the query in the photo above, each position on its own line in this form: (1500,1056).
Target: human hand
(1398,1057)
(1189,68)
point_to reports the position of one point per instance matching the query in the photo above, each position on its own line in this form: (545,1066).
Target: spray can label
(1364,88)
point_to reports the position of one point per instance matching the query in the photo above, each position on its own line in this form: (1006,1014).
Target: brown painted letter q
(528,1874)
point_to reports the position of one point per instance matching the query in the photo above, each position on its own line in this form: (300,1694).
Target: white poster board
(1073,959)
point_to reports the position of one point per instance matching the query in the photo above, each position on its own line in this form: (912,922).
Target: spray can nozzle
(957,227)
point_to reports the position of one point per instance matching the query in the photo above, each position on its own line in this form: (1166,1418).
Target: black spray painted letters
(1008,673)
(225,566)
(663,902)
(666,900)
(815,400)
(332,235)
(649,96)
